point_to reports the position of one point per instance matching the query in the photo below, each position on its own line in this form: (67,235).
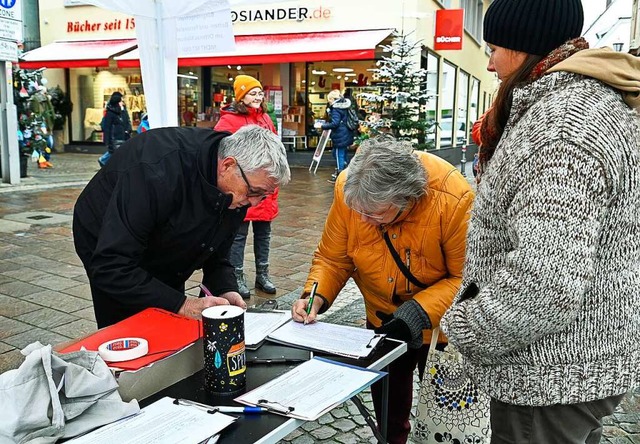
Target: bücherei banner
(449,29)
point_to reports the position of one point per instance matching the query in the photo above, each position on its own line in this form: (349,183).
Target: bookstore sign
(449,29)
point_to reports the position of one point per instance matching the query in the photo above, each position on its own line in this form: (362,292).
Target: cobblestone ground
(44,293)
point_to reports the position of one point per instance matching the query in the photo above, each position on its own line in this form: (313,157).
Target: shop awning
(284,48)
(76,54)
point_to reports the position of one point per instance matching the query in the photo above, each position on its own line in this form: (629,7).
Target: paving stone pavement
(45,296)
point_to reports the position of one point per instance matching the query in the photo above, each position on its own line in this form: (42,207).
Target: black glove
(394,328)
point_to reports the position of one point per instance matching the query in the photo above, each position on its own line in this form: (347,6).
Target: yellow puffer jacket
(432,231)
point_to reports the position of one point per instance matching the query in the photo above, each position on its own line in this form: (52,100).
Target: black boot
(242,284)
(263,281)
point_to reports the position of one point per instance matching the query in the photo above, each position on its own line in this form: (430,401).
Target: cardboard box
(142,383)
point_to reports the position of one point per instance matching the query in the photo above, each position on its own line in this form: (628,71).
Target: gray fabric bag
(53,396)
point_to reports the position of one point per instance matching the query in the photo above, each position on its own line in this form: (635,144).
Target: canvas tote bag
(451,408)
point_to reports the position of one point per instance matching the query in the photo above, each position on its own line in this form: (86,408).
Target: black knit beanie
(533,26)
(115,98)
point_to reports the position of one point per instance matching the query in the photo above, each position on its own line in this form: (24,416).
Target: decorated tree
(403,94)
(36,115)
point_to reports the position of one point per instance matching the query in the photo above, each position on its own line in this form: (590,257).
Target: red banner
(449,29)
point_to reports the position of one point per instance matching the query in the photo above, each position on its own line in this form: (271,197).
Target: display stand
(317,155)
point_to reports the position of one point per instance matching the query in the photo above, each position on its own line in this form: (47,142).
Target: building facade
(298,50)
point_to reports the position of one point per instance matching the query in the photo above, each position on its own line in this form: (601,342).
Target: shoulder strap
(403,268)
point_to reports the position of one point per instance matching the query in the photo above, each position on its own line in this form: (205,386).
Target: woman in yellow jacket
(421,204)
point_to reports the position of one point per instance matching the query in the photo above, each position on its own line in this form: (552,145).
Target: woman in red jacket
(250,108)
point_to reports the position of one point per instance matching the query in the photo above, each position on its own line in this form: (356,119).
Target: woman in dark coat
(341,136)
(116,126)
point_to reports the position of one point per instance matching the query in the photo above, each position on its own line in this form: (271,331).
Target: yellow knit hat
(243,84)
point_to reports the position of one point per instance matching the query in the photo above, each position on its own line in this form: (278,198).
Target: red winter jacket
(232,121)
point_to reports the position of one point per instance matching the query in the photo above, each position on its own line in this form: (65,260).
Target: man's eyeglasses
(256,94)
(251,192)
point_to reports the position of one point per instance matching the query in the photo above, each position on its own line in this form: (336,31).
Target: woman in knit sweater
(548,316)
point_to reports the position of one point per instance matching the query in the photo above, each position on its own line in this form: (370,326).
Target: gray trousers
(555,424)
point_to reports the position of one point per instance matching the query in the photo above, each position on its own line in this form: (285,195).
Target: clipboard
(289,394)
(276,354)
(260,323)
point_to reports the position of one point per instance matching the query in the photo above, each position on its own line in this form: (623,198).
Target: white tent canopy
(156,32)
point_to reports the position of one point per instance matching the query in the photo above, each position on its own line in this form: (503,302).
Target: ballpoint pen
(221,408)
(229,409)
(205,290)
(311,298)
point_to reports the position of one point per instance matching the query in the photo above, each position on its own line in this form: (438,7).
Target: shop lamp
(342,69)
(617,46)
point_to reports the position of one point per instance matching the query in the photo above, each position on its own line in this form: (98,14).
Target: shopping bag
(451,408)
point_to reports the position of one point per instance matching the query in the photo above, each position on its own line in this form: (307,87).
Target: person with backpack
(116,126)
(341,136)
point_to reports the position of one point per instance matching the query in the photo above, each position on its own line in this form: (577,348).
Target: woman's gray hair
(384,171)
(257,148)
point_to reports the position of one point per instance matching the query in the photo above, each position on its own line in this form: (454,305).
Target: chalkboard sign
(322,144)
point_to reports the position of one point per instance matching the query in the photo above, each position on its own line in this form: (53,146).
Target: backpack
(352,121)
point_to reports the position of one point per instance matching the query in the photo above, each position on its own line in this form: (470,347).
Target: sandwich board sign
(322,144)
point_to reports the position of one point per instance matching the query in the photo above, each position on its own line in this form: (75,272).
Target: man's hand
(317,125)
(193,307)
(234,298)
(395,328)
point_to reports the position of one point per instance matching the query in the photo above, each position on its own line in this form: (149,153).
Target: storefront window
(447,110)
(461,123)
(351,77)
(189,96)
(474,102)
(90,93)
(431,65)
(222,78)
(295,110)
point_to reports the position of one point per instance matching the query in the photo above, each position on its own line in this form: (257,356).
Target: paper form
(162,422)
(311,389)
(257,325)
(340,340)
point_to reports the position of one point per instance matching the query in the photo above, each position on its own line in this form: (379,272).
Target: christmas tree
(36,115)
(403,95)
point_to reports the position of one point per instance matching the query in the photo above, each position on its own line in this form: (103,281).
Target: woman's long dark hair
(496,119)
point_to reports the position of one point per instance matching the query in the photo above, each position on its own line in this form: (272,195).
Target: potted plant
(62,108)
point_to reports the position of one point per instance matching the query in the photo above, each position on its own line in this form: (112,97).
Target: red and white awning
(284,48)
(76,54)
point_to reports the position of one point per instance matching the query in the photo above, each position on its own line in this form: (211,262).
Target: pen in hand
(205,290)
(312,296)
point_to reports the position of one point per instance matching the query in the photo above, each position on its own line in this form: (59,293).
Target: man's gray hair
(384,171)
(257,148)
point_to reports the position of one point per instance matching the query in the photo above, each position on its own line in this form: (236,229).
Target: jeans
(554,424)
(340,154)
(261,241)
(110,150)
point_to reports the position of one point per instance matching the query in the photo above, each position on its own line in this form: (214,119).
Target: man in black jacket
(169,202)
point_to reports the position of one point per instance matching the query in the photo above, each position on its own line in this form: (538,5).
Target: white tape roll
(123,349)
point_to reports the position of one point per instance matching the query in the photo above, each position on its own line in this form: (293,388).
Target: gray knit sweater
(554,249)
